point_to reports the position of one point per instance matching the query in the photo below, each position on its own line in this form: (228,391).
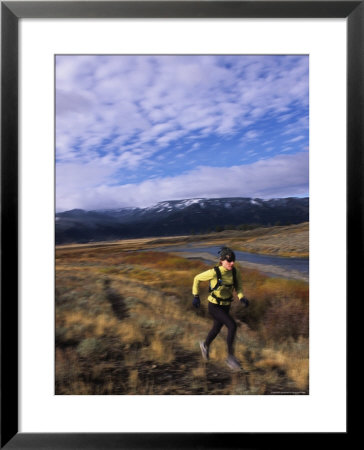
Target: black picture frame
(11,13)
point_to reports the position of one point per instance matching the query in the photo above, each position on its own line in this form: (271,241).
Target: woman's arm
(239,284)
(203,276)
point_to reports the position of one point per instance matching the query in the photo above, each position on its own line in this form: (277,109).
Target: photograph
(181,207)
(181,224)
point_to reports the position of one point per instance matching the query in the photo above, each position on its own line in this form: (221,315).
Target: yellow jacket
(225,291)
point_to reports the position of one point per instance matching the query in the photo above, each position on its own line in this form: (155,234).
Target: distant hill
(178,217)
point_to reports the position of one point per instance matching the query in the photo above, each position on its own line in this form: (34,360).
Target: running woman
(224,279)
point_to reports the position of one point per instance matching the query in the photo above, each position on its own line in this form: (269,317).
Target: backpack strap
(219,300)
(219,279)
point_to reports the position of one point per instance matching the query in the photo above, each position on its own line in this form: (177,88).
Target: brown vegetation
(289,241)
(125,325)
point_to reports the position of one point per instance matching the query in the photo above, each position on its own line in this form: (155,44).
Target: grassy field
(125,325)
(288,241)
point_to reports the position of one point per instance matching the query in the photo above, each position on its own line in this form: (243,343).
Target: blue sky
(135,130)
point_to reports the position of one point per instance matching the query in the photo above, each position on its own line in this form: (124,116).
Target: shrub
(284,319)
(254,314)
(89,347)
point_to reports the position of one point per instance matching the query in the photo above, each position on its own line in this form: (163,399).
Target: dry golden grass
(125,325)
(129,333)
(160,351)
(295,364)
(134,380)
(290,240)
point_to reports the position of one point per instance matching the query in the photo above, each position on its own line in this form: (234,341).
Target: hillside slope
(189,216)
(125,325)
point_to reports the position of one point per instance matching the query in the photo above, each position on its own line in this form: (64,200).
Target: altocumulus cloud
(121,121)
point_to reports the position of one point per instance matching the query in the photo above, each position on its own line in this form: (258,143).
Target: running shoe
(204,351)
(233,363)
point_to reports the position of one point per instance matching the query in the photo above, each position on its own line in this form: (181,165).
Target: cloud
(280,176)
(296,139)
(126,118)
(250,135)
(158,100)
(297,126)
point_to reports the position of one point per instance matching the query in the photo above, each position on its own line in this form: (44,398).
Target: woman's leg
(215,330)
(221,317)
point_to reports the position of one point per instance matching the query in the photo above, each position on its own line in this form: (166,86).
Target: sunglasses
(229,260)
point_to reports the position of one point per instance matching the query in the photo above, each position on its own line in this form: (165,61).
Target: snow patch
(254,202)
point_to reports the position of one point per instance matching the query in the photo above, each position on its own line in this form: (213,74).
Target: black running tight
(220,314)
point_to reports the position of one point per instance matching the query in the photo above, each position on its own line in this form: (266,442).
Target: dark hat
(226,253)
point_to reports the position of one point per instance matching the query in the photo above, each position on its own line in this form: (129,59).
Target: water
(300,265)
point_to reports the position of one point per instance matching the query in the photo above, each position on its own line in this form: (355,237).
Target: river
(297,268)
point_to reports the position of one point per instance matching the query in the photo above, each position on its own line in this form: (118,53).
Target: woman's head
(227,258)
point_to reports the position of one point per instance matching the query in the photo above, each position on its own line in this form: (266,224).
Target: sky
(133,130)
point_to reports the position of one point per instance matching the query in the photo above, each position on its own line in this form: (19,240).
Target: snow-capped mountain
(176,217)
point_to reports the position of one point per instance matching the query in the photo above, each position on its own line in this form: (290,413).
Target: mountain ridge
(177,217)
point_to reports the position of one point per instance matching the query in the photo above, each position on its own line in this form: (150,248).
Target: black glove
(196,301)
(244,301)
